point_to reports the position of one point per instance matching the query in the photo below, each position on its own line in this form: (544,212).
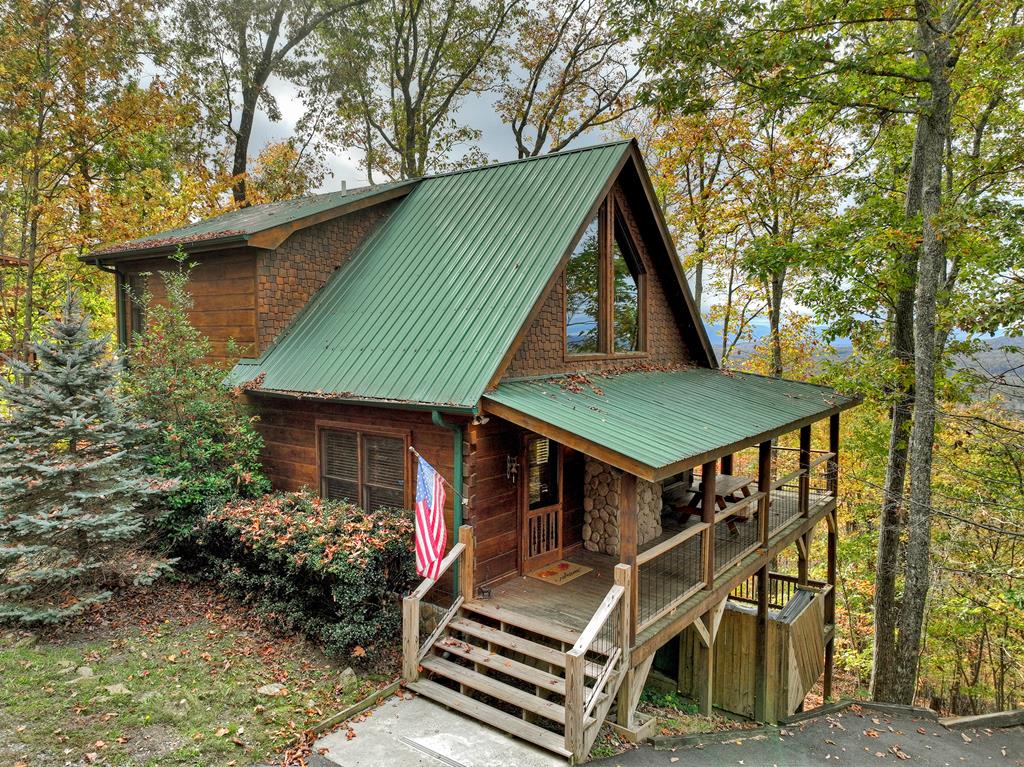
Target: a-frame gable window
(605,301)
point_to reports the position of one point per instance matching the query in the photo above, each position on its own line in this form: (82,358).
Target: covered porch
(671,578)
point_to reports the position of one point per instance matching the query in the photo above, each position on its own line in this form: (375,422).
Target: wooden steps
(512,682)
(556,631)
(527,701)
(513,725)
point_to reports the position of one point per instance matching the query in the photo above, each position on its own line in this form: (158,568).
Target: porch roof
(657,423)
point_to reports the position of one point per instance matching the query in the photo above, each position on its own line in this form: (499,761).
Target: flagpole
(465,501)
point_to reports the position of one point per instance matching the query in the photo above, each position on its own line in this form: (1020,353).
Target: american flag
(431,535)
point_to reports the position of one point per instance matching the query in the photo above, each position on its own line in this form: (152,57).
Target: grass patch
(166,676)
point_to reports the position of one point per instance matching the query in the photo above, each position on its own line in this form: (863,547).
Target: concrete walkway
(420,733)
(852,738)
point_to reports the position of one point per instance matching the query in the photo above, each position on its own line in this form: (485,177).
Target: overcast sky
(477,111)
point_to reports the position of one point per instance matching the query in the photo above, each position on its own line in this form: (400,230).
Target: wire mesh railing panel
(665,578)
(784,507)
(733,540)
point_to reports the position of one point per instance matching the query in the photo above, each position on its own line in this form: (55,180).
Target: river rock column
(601,494)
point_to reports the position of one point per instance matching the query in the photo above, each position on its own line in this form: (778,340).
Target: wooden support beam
(708,508)
(716,614)
(628,513)
(764,483)
(702,632)
(803,545)
(727,464)
(633,682)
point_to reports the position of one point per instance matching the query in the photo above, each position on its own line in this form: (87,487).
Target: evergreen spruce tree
(74,490)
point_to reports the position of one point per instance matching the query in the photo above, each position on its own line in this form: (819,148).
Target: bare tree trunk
(931,267)
(775,320)
(891,523)
(240,163)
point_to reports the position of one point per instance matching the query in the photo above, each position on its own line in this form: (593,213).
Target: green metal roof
(243,223)
(666,420)
(427,307)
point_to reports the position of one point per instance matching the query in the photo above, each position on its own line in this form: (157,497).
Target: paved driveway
(847,738)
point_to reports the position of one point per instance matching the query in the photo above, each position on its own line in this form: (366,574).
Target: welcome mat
(560,573)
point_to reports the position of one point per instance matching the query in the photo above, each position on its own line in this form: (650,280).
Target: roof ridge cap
(519,160)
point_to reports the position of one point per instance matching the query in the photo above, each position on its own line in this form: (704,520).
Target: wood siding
(542,349)
(289,429)
(223,289)
(494,499)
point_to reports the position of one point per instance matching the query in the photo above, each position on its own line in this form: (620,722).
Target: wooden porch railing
(413,649)
(673,570)
(607,633)
(781,588)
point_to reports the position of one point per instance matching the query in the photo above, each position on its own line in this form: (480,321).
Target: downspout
(457,501)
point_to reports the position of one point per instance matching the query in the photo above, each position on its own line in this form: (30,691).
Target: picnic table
(729,489)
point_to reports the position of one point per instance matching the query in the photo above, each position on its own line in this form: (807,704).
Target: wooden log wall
(224,294)
(494,497)
(290,449)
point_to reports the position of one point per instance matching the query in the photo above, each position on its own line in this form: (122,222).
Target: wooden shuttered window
(364,468)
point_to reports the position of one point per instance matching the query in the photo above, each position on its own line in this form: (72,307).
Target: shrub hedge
(326,568)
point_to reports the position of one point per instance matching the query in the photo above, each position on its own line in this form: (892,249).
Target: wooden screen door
(541,504)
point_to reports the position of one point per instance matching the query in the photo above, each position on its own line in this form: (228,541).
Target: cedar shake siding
(223,289)
(289,276)
(542,350)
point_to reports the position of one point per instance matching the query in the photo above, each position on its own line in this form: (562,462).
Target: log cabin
(616,499)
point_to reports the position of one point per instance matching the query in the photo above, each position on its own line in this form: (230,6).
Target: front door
(541,504)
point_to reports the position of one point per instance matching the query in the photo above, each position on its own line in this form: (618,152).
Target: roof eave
(467,410)
(228,242)
(639,468)
(267,238)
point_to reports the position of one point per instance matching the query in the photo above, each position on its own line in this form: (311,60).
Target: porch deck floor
(573,604)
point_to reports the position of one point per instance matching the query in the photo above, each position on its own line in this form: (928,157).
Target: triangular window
(605,313)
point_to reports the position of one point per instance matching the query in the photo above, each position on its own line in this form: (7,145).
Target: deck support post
(706,628)
(764,483)
(708,509)
(762,706)
(804,492)
(628,544)
(727,464)
(832,544)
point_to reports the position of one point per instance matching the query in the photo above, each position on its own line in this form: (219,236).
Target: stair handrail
(412,650)
(579,701)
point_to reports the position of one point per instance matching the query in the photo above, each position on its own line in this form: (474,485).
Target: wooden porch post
(467,562)
(833,542)
(628,544)
(764,483)
(803,497)
(727,464)
(708,509)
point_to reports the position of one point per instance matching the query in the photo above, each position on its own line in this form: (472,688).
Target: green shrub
(207,435)
(325,568)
